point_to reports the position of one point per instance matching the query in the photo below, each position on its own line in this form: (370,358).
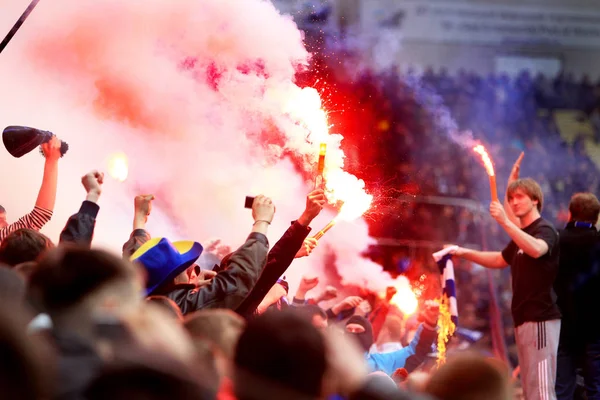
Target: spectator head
(469,376)
(584,207)
(148,377)
(12,286)
(315,315)
(361,329)
(72,281)
(279,355)
(215,334)
(521,189)
(3,223)
(220,327)
(166,262)
(393,330)
(26,362)
(168,305)
(23,245)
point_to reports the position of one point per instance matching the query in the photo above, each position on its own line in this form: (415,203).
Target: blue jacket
(409,357)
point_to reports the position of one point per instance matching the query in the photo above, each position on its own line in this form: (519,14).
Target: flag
(444,262)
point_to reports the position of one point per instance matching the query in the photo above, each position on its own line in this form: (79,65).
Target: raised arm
(142,209)
(80,226)
(514,175)
(47,194)
(488,259)
(230,287)
(292,244)
(532,246)
(44,205)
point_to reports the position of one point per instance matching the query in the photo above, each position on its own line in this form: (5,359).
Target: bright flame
(447,328)
(118,167)
(345,187)
(485,157)
(305,107)
(405,300)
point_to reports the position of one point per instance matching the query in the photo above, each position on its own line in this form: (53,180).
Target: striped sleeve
(34,220)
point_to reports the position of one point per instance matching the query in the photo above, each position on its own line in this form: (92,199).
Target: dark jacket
(226,290)
(578,282)
(80,227)
(279,259)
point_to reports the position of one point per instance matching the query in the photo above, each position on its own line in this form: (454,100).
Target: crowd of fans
(74,323)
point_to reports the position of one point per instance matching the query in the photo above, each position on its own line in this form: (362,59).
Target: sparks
(447,329)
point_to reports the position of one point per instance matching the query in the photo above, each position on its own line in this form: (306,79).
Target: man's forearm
(47,194)
(488,259)
(531,246)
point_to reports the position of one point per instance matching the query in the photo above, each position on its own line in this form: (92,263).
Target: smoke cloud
(196,94)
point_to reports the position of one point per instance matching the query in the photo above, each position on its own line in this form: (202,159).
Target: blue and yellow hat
(164,260)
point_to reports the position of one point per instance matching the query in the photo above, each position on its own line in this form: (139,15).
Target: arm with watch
(283,253)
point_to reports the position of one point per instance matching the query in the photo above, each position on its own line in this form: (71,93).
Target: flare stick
(330,225)
(321,164)
(493,188)
(18,24)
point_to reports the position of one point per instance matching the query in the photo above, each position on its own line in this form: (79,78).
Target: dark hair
(2,209)
(584,207)
(310,310)
(468,376)
(23,245)
(279,355)
(25,371)
(220,327)
(530,187)
(149,377)
(166,304)
(66,275)
(12,286)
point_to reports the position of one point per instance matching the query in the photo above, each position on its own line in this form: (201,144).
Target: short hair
(279,355)
(469,377)
(25,371)
(530,187)
(166,304)
(23,245)
(311,310)
(145,376)
(12,286)
(66,275)
(2,210)
(584,207)
(395,327)
(220,327)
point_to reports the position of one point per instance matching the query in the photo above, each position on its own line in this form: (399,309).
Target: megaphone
(20,140)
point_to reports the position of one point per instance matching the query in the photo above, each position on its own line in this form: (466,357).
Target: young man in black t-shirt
(533,257)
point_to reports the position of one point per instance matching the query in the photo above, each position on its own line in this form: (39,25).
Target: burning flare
(118,167)
(405,300)
(489,167)
(447,329)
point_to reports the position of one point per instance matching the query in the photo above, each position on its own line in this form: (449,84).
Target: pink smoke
(189,91)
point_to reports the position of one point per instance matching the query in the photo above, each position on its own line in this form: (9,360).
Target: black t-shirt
(534,298)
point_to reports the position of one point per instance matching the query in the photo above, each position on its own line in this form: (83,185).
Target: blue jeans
(575,351)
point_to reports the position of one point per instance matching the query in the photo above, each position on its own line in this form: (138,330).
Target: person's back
(577,287)
(578,282)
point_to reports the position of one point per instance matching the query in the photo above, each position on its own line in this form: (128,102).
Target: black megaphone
(20,140)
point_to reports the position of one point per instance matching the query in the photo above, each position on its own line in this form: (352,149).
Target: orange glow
(405,300)
(322,149)
(447,329)
(118,167)
(306,109)
(485,157)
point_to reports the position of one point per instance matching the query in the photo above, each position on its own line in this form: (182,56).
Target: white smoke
(106,76)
